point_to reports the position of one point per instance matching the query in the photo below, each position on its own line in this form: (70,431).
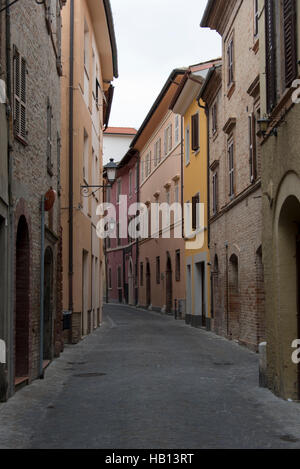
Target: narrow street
(144,380)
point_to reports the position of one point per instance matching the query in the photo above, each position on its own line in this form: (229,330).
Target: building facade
(90,57)
(33,89)
(116,141)
(161,248)
(121,249)
(195,191)
(232,95)
(279,27)
(4,215)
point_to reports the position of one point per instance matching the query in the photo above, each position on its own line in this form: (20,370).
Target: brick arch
(22,321)
(234,297)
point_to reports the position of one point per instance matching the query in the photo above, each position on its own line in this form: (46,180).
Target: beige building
(89,58)
(161,258)
(280,110)
(232,96)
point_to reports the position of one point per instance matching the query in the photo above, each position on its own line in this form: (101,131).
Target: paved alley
(144,380)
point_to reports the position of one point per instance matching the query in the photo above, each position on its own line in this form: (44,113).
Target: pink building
(121,252)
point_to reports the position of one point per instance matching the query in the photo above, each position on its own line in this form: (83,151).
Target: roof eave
(112,36)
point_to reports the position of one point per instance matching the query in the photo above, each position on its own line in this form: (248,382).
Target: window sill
(230,90)
(21,140)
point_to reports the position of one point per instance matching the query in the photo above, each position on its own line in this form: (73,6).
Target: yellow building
(195,191)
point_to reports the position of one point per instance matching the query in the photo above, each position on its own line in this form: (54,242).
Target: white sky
(153,38)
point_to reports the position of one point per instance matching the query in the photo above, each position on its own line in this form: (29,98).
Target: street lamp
(111,171)
(264,125)
(111,174)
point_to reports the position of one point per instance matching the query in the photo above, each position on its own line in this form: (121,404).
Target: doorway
(22,308)
(148,285)
(48,304)
(199,288)
(169,286)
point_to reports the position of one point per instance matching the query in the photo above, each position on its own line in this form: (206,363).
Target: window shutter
(20,72)
(170,137)
(195,201)
(48,15)
(166,142)
(290,41)
(195,132)
(270,55)
(58,38)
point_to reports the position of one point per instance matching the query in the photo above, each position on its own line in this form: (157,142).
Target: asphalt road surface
(146,381)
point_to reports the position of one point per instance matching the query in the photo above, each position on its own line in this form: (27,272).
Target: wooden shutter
(215,193)
(58,38)
(231,169)
(48,15)
(252,147)
(195,201)
(270,55)
(195,132)
(290,41)
(20,72)
(49,135)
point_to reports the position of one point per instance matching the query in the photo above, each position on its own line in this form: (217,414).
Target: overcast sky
(153,38)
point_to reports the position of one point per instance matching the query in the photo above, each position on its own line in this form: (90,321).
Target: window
(119,190)
(168,144)
(158,270)
(108,194)
(49,137)
(20,72)
(118,235)
(177,270)
(176,129)
(142,274)
(195,216)
(148,164)
(130,183)
(142,170)
(119,275)
(187,145)
(230,62)
(157,152)
(256,18)
(214,119)
(168,196)
(176,192)
(215,193)
(231,168)
(195,132)
(58,147)
(86,47)
(85,157)
(252,147)
(109,279)
(290,41)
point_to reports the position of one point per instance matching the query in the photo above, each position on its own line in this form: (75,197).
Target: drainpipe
(137,254)
(227,291)
(182,170)
(10,348)
(71,124)
(42,278)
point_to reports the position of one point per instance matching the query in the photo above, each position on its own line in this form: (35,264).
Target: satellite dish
(50,197)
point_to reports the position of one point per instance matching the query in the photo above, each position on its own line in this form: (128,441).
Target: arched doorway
(48,303)
(131,283)
(169,286)
(288,291)
(22,308)
(148,285)
(234,299)
(260,297)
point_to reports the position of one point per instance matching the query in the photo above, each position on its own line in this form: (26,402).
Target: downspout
(227,291)
(71,124)
(42,278)
(137,256)
(11,212)
(182,182)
